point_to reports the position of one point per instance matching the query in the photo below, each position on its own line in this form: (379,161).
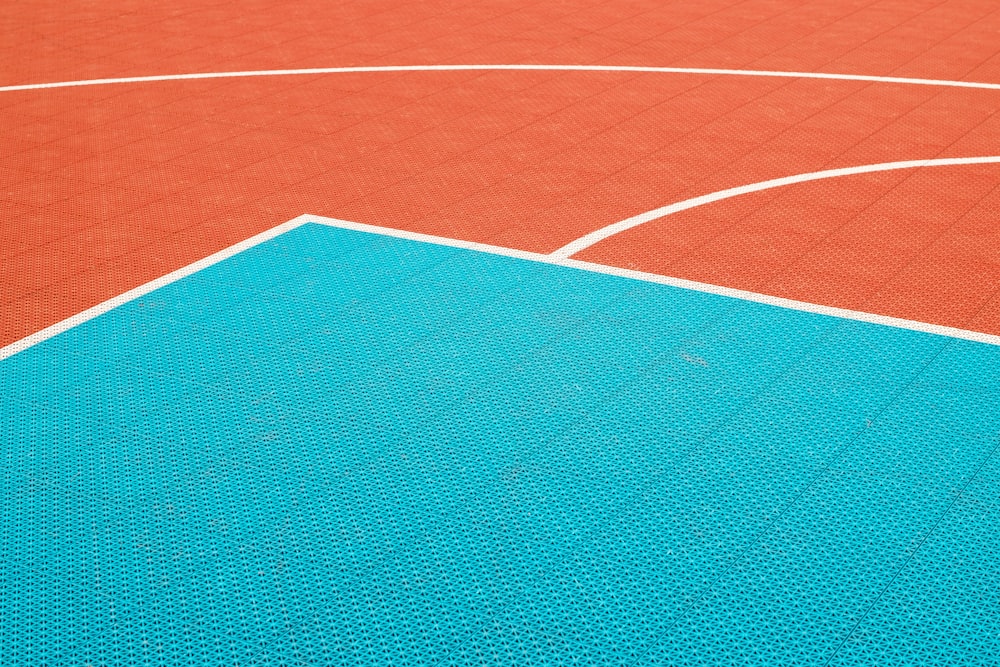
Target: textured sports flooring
(635,333)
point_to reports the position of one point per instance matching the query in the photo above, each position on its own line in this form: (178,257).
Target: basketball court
(613,332)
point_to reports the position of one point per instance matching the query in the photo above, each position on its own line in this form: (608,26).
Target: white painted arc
(496,68)
(599,235)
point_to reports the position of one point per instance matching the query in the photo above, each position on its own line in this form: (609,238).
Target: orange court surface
(108,186)
(838,160)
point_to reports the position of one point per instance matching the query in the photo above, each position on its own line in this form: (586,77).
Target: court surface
(554,333)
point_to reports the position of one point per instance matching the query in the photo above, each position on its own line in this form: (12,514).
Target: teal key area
(340,447)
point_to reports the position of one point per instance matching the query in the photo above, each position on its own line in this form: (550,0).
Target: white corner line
(497,68)
(599,235)
(791,304)
(142,290)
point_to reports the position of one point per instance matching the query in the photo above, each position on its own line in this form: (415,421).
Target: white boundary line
(896,322)
(497,68)
(142,290)
(599,235)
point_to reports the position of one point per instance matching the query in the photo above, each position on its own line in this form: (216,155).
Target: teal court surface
(341,447)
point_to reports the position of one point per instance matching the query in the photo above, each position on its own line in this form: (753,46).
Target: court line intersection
(560,257)
(462,446)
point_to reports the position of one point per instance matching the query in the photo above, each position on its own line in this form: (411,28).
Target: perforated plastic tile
(942,608)
(338,447)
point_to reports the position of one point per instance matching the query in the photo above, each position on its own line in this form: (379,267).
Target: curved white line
(491,68)
(598,235)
